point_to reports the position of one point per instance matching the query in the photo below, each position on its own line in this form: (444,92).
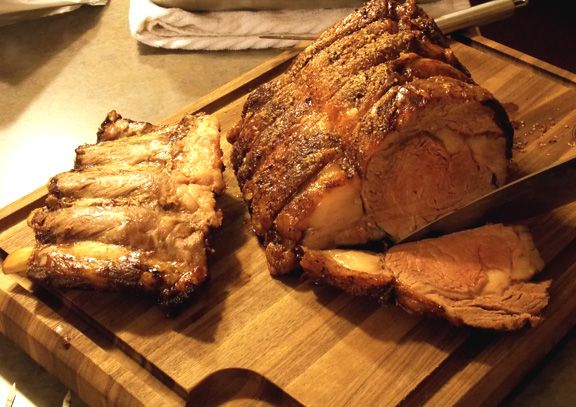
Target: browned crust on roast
(280,253)
(405,16)
(397,107)
(361,80)
(355,48)
(289,169)
(320,267)
(294,217)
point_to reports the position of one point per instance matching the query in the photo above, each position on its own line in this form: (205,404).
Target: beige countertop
(59,77)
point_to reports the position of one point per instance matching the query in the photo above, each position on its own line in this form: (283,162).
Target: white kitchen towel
(14,11)
(174,28)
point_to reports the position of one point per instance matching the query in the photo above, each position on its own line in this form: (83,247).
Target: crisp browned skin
(115,127)
(356,272)
(477,278)
(135,212)
(377,114)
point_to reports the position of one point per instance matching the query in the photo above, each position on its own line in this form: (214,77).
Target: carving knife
(539,192)
(470,17)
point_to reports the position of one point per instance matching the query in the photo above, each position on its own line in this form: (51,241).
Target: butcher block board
(249,339)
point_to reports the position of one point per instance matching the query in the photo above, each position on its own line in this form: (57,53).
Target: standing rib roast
(373,131)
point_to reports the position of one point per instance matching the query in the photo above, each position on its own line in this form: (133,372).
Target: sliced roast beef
(477,277)
(373,131)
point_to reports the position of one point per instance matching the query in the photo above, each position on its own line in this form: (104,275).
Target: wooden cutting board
(249,339)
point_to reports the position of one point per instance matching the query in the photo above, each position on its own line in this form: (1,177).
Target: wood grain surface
(250,339)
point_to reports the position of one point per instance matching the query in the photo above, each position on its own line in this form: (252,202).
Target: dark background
(544,29)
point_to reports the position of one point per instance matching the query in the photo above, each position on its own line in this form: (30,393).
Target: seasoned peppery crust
(135,212)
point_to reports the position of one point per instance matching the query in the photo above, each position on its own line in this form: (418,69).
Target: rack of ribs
(133,214)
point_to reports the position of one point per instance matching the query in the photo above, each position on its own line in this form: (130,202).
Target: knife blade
(539,192)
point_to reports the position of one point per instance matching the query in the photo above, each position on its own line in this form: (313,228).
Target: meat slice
(478,277)
(134,213)
(107,184)
(377,115)
(151,149)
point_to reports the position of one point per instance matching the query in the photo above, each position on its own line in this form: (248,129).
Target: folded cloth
(175,28)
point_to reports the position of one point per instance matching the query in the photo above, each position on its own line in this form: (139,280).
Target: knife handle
(478,15)
(471,17)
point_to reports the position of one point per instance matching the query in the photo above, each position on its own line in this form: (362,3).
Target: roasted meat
(477,277)
(374,130)
(134,213)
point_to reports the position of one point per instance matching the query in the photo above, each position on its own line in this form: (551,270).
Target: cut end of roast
(445,150)
(356,272)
